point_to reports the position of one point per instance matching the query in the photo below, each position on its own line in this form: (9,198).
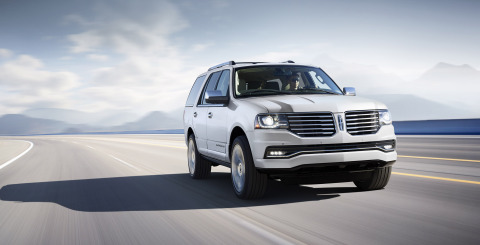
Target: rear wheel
(248,183)
(378,180)
(198,166)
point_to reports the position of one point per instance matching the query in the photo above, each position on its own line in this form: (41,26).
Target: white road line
(17,157)
(120,160)
(126,163)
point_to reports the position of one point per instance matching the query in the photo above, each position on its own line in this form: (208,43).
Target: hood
(314,102)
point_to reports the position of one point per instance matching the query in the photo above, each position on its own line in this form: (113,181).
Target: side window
(223,82)
(194,91)
(211,84)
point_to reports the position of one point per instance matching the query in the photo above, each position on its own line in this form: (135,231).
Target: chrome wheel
(238,168)
(198,167)
(191,156)
(248,182)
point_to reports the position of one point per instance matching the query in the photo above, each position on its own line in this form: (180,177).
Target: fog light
(387,147)
(276,153)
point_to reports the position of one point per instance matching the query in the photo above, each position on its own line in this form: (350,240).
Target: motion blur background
(104,65)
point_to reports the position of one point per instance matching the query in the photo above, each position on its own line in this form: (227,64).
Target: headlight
(271,121)
(385,117)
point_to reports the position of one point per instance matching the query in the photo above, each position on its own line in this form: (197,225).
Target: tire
(378,180)
(247,182)
(198,166)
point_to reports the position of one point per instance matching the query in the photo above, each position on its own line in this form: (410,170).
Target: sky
(141,56)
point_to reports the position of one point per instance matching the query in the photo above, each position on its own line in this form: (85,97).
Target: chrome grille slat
(320,124)
(321,116)
(315,124)
(312,133)
(362,119)
(362,127)
(322,129)
(363,130)
(315,121)
(359,115)
(362,122)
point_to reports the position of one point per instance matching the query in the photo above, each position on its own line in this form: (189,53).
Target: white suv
(287,122)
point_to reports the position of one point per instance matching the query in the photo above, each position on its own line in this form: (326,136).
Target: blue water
(451,126)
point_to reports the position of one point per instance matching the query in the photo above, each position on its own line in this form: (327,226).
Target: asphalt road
(135,189)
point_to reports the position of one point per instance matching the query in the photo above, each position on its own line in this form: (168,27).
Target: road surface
(135,189)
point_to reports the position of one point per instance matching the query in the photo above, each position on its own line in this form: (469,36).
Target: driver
(293,82)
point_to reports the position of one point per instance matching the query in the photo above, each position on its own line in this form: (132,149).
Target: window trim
(204,89)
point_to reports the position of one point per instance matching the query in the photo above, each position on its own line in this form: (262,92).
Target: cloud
(201,47)
(279,56)
(141,84)
(97,57)
(5,53)
(128,28)
(26,72)
(25,83)
(149,71)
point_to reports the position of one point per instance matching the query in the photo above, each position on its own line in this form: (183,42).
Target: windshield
(271,80)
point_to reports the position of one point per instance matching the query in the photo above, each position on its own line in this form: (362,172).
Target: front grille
(312,124)
(362,122)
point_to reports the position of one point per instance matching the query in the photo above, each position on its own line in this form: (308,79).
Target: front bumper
(338,148)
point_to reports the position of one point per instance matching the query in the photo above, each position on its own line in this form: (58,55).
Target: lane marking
(171,146)
(438,158)
(118,159)
(438,178)
(17,157)
(126,163)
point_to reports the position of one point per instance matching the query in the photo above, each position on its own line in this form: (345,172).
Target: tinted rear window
(194,91)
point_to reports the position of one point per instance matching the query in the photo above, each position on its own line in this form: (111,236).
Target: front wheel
(198,166)
(248,183)
(378,180)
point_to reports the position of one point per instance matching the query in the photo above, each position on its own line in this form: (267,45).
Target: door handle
(195,114)
(210,115)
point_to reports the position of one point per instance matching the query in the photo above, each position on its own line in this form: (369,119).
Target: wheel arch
(189,132)
(236,131)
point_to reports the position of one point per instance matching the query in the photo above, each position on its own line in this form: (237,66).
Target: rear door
(190,105)
(200,114)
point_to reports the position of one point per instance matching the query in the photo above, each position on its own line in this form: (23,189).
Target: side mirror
(216,97)
(349,91)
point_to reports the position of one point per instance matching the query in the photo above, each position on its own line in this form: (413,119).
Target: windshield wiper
(318,90)
(265,91)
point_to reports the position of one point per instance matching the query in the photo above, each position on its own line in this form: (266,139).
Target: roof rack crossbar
(234,63)
(222,64)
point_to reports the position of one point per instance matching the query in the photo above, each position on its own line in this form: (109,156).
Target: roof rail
(223,64)
(288,61)
(251,62)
